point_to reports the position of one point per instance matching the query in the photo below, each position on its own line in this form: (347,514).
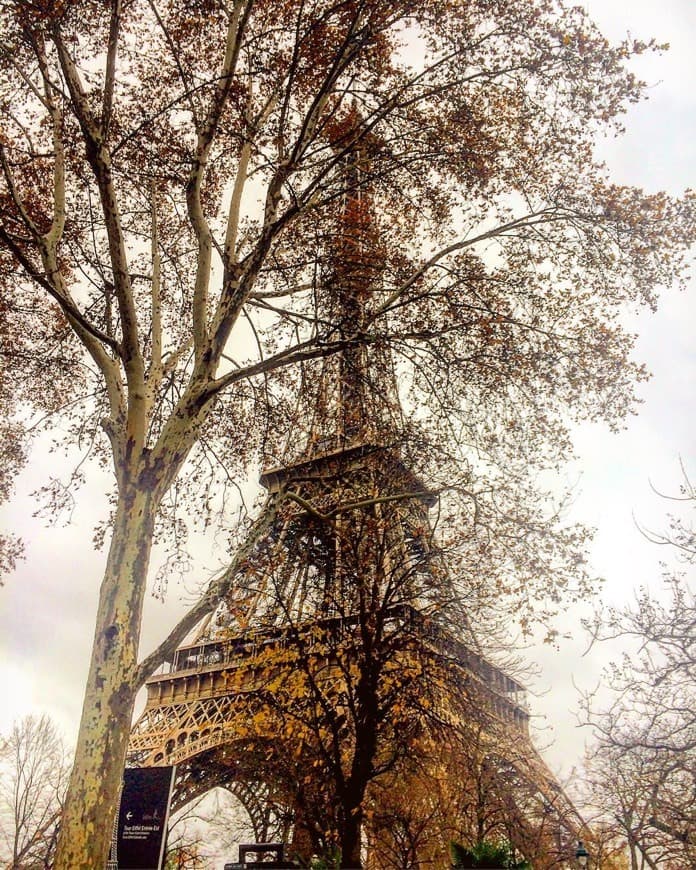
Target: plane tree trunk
(112,685)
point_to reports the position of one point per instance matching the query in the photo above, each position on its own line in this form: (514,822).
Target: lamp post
(581,854)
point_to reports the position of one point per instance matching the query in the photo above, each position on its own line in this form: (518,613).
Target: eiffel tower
(348,581)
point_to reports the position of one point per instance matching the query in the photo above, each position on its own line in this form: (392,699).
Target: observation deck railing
(505,695)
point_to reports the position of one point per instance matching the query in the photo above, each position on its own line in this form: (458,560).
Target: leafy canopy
(172,176)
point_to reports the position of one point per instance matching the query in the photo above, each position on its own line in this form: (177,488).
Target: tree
(184,839)
(342,677)
(214,823)
(180,319)
(477,783)
(642,767)
(350,711)
(342,673)
(12,459)
(620,787)
(34,777)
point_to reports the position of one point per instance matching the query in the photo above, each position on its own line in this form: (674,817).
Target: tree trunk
(354,795)
(351,836)
(364,753)
(91,802)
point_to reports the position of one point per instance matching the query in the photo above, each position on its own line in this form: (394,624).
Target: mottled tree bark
(111,689)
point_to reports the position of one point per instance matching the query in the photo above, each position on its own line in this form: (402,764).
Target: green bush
(486,855)
(327,862)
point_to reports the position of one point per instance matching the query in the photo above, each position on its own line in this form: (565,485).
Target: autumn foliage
(171,178)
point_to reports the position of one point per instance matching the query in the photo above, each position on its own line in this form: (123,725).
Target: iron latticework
(349,569)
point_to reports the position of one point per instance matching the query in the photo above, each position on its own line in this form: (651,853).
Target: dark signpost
(142,819)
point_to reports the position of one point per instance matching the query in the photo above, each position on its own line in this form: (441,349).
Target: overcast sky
(614,473)
(47,607)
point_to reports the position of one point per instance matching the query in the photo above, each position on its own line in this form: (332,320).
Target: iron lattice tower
(350,559)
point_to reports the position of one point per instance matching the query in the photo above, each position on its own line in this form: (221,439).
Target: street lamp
(581,854)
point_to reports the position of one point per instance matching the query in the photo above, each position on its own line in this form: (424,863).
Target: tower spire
(356,401)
